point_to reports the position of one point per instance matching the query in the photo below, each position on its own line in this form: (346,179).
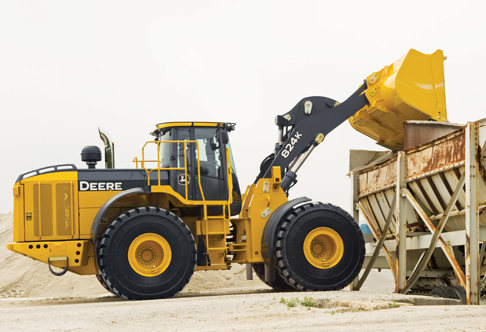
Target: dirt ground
(31,299)
(240,311)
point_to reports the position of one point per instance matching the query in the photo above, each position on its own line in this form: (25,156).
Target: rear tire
(103,283)
(147,253)
(319,247)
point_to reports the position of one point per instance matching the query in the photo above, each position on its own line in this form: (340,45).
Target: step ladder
(214,230)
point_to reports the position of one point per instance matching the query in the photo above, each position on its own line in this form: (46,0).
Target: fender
(104,208)
(268,237)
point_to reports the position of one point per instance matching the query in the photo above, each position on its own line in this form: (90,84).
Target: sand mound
(24,277)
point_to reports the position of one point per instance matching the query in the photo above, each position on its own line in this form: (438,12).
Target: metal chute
(412,88)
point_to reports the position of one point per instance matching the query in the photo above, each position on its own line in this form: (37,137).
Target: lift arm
(412,88)
(303,133)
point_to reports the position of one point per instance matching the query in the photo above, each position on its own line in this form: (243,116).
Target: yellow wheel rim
(149,254)
(323,248)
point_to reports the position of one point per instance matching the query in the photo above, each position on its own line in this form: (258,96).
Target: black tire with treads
(279,283)
(442,291)
(103,283)
(460,293)
(450,292)
(114,265)
(446,292)
(292,264)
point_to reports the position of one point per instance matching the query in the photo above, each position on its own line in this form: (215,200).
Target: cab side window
(209,152)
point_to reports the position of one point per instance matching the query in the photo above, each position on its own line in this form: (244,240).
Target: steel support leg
(472,215)
(401,232)
(355,214)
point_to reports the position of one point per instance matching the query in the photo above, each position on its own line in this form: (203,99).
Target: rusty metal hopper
(412,88)
(428,206)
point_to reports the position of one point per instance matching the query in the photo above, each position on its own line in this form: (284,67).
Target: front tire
(319,247)
(147,253)
(279,284)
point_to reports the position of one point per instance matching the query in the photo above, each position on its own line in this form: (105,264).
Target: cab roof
(161,126)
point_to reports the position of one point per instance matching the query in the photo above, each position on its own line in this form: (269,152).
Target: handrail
(47,169)
(142,162)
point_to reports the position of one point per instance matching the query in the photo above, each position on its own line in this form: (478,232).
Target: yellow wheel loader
(144,231)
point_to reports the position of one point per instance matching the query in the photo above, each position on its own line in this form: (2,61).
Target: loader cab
(196,153)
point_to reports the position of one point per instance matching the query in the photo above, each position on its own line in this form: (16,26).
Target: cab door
(184,156)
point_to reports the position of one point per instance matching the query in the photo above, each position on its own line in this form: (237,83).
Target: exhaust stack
(109,149)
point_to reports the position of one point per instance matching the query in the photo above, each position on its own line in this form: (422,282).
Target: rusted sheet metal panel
(421,132)
(380,207)
(389,195)
(378,177)
(430,192)
(482,219)
(452,178)
(456,223)
(420,196)
(436,155)
(371,213)
(369,204)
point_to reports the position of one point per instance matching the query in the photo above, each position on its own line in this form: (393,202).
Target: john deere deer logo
(182,179)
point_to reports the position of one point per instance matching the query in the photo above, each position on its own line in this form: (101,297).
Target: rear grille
(43,210)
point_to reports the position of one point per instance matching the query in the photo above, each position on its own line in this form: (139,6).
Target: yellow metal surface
(412,88)
(323,248)
(95,199)
(265,194)
(149,254)
(89,204)
(89,269)
(213,267)
(86,217)
(16,190)
(76,251)
(186,202)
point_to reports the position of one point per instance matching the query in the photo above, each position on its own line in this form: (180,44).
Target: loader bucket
(412,88)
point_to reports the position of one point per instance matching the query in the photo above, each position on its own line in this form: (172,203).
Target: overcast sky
(67,68)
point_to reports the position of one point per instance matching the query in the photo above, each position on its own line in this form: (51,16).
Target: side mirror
(214,144)
(225,137)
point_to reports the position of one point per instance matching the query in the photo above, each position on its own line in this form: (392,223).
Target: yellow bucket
(412,88)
